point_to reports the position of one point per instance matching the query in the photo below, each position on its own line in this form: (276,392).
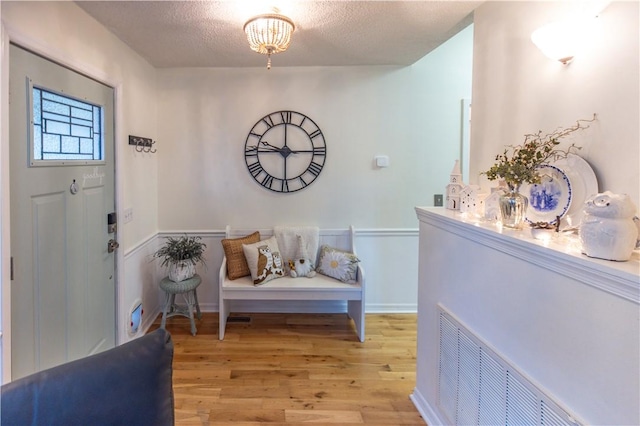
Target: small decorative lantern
(472,200)
(492,204)
(454,187)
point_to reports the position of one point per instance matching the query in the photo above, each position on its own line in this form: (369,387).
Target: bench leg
(356,312)
(222,320)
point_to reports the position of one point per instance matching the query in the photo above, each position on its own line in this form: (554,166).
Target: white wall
(65,33)
(197,181)
(517,90)
(411,114)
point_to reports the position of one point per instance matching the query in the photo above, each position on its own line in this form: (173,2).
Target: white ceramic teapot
(607,230)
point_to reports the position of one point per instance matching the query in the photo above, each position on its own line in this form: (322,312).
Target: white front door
(62,189)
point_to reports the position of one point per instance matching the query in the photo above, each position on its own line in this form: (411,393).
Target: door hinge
(11,268)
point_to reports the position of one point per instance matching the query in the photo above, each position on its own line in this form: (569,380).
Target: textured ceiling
(209,33)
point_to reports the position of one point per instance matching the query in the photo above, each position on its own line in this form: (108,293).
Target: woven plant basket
(181,271)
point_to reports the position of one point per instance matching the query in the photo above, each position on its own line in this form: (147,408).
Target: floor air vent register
(478,387)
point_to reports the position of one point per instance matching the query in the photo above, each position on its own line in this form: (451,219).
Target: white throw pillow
(338,264)
(287,237)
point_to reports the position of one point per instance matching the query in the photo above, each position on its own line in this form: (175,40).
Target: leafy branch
(519,163)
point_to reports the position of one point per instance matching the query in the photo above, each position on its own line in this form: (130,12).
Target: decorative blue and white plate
(550,198)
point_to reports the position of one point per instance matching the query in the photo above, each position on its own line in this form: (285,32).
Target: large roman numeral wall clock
(285,151)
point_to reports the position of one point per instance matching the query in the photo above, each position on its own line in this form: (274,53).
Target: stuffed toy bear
(301,266)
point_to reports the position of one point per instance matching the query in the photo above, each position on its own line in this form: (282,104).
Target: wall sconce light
(563,39)
(560,40)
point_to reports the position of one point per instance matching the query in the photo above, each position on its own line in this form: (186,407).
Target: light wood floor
(295,368)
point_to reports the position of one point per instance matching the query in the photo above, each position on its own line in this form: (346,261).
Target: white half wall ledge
(617,278)
(549,297)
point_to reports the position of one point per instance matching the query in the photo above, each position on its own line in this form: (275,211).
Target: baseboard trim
(428,414)
(391,308)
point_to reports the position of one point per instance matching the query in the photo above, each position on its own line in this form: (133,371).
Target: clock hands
(284,151)
(266,147)
(271,147)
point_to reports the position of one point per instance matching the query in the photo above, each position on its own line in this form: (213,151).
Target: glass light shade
(270,33)
(560,40)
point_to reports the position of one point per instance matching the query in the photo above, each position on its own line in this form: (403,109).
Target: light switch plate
(128,215)
(382,161)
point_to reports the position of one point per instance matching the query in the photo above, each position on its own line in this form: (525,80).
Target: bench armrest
(360,275)
(222,275)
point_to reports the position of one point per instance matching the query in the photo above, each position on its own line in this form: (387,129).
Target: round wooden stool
(188,290)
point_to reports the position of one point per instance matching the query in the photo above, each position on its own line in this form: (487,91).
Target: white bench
(319,287)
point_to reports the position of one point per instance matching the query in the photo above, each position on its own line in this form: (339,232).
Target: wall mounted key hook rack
(142,144)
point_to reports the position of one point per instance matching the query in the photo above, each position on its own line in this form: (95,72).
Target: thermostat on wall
(135,317)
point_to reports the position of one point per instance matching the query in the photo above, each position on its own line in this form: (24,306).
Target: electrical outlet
(128,215)
(437,200)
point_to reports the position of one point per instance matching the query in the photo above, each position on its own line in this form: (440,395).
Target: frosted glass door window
(65,129)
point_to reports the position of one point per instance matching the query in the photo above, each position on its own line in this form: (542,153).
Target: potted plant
(181,255)
(519,164)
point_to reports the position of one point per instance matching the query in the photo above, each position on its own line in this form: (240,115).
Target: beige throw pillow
(236,263)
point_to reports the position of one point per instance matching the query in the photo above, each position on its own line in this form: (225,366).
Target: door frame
(54,54)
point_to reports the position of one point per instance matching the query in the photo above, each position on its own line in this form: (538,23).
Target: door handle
(112,245)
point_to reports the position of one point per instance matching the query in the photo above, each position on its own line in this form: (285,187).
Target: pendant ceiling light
(269,34)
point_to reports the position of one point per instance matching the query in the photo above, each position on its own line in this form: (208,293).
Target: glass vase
(513,207)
